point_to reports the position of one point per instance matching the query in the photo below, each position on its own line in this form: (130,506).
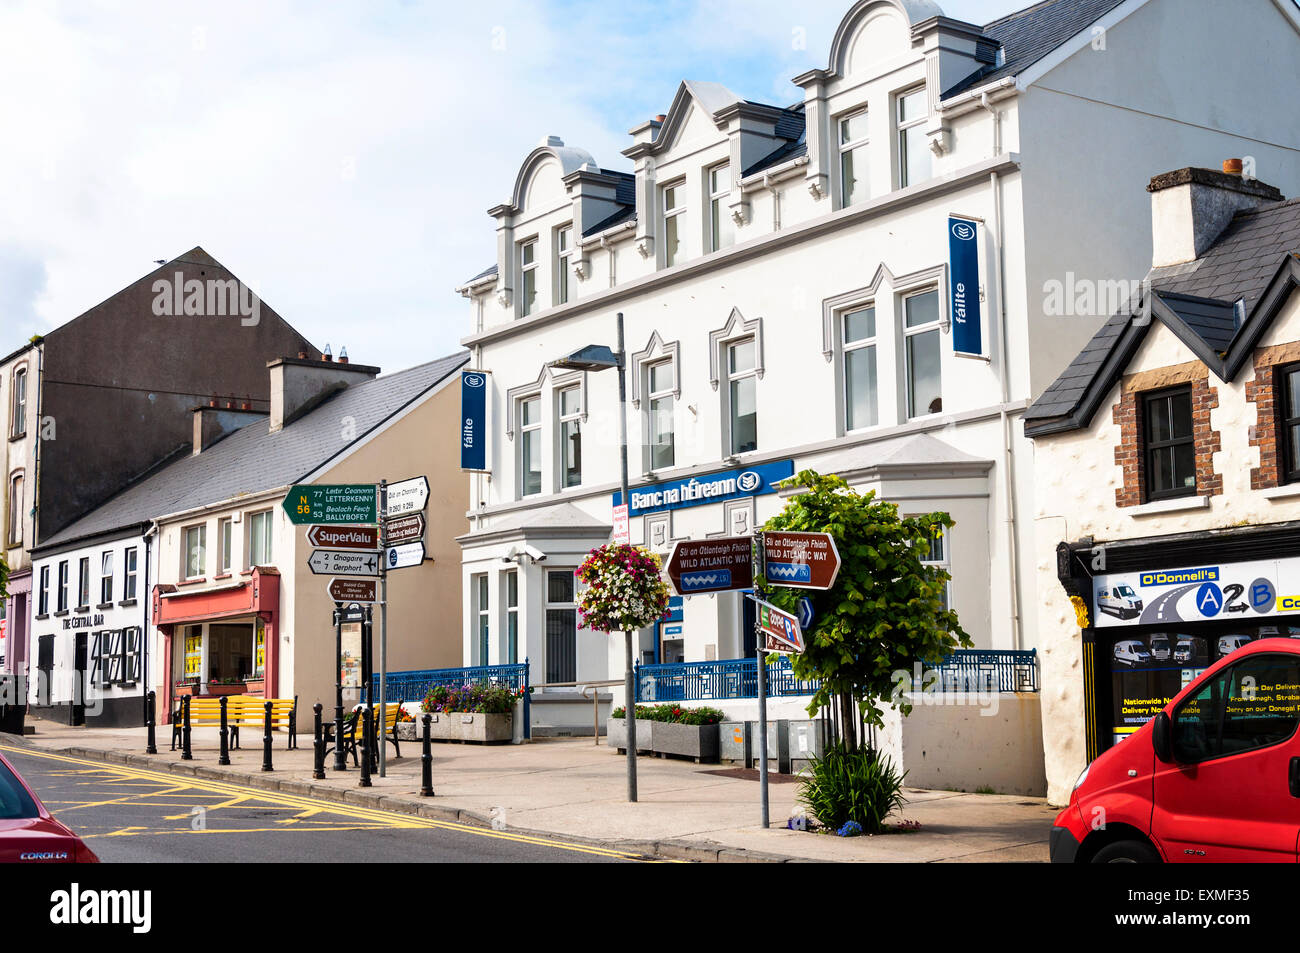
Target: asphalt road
(131,815)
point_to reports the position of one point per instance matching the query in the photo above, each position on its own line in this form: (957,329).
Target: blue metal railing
(965,670)
(413,686)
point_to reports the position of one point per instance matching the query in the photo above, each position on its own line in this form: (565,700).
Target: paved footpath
(574,789)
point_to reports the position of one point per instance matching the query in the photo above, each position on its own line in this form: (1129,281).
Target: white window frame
(267,517)
(535,430)
(43,593)
(528,271)
(510,602)
(225,545)
(563,261)
(677,216)
(106,577)
(902,126)
(861,144)
(479,592)
(564,420)
(201,529)
(18,402)
(664,394)
(17,514)
(722,233)
(130,573)
(83,582)
(735,377)
(944,562)
(907,334)
(848,347)
(61,596)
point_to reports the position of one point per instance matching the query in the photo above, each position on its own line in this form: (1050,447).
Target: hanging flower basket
(625,590)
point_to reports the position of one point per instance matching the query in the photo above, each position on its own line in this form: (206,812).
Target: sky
(339,158)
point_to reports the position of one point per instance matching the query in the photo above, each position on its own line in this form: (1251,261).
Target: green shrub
(675,714)
(858,785)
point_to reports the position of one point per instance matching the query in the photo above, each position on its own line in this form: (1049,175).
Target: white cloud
(339,158)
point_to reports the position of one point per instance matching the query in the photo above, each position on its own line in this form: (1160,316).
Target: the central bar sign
(711,488)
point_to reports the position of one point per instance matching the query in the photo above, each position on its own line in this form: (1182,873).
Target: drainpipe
(147,601)
(1008,454)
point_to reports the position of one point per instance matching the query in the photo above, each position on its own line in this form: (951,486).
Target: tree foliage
(4,578)
(886,609)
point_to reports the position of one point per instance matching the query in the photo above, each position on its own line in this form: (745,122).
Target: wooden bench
(245,711)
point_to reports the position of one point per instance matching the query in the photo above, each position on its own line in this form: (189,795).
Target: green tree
(4,578)
(886,609)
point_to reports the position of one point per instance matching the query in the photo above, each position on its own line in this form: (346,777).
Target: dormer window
(913,153)
(854,187)
(674,223)
(563,253)
(721,233)
(527,277)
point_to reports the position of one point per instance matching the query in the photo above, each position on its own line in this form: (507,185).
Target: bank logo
(963,231)
(749,481)
(474,380)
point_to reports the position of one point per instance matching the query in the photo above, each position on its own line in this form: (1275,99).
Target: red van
(1213,778)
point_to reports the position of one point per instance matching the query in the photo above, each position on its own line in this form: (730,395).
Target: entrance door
(748,620)
(80,659)
(1230,796)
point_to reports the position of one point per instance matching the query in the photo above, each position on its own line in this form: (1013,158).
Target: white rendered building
(784,275)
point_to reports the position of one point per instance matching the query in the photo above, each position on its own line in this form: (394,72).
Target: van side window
(1249,706)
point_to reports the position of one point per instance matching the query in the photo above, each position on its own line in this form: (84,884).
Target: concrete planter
(473,727)
(616,735)
(409,731)
(699,742)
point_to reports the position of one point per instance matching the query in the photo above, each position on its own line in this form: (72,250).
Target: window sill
(81,609)
(14,438)
(1286,491)
(221,575)
(127,602)
(61,613)
(1176,504)
(105,605)
(245,572)
(42,616)
(193,582)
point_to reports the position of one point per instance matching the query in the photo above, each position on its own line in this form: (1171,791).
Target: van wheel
(1127,852)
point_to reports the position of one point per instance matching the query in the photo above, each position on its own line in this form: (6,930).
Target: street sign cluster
(790,559)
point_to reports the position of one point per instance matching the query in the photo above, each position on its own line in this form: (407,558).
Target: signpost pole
(383,623)
(629,680)
(340,761)
(762,719)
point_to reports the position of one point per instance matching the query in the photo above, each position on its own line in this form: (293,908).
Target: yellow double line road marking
(388,819)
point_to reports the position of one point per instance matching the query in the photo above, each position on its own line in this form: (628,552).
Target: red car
(1213,778)
(28,834)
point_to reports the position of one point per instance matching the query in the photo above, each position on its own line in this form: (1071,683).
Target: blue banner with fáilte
(964,286)
(473,420)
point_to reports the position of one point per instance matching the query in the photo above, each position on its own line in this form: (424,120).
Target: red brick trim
(1262,391)
(1128,417)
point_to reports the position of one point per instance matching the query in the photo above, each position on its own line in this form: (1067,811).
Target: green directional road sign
(332,503)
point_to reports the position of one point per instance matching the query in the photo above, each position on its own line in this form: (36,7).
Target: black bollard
(426,762)
(225,733)
(318,769)
(151,743)
(365,747)
(186,753)
(266,741)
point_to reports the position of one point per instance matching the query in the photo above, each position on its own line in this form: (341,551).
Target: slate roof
(1028,35)
(252,460)
(1256,260)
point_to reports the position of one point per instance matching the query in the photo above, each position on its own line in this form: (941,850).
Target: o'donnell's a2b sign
(1203,592)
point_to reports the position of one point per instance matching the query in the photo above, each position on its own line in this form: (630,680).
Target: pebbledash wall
(783,295)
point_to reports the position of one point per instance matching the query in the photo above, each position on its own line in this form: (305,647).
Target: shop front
(1165,608)
(219,641)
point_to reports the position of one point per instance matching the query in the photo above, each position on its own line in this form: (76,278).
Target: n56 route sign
(332,504)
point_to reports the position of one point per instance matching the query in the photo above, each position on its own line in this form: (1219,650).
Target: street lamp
(598,357)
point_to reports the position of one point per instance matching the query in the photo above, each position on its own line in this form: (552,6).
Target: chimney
(211,422)
(1190,208)
(298,386)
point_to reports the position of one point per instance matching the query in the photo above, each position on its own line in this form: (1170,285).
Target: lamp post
(598,357)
